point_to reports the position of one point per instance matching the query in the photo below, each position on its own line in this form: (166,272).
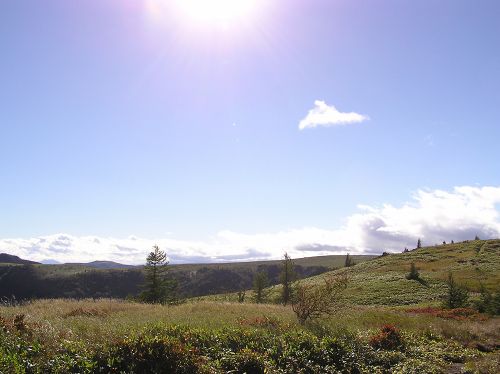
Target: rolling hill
(5,258)
(382,281)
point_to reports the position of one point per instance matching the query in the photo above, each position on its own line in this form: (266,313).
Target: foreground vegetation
(107,336)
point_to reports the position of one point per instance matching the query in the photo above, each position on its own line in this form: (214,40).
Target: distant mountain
(104,265)
(50,261)
(5,258)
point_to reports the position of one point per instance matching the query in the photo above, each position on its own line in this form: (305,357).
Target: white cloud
(327,115)
(432,215)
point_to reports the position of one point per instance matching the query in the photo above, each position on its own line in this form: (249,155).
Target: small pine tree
(457,296)
(414,274)
(348,261)
(496,303)
(406,250)
(157,288)
(419,243)
(287,277)
(241,296)
(476,238)
(485,300)
(452,242)
(488,302)
(260,283)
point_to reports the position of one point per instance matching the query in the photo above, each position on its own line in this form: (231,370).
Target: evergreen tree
(348,261)
(260,283)
(414,274)
(457,296)
(488,302)
(157,288)
(419,243)
(477,238)
(241,296)
(287,277)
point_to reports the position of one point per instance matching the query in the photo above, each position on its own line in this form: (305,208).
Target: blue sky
(116,120)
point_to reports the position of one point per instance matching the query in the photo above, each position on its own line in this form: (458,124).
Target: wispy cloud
(432,215)
(327,115)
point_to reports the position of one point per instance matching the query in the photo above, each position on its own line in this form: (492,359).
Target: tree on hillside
(477,238)
(157,288)
(260,283)
(419,243)
(457,296)
(414,274)
(348,261)
(312,301)
(287,277)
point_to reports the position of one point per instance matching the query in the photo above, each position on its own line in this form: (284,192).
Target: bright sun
(216,11)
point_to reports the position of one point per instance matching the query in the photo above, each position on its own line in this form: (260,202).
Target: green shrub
(150,354)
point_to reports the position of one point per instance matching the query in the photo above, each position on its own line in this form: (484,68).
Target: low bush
(389,338)
(176,349)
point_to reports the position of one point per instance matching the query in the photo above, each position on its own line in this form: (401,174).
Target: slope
(383,280)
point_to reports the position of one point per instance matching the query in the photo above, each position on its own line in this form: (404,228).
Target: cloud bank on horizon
(432,215)
(327,115)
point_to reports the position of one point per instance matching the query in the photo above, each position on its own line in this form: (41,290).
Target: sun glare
(216,11)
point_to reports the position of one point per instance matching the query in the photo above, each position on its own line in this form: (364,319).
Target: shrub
(313,301)
(389,338)
(244,361)
(150,354)
(457,296)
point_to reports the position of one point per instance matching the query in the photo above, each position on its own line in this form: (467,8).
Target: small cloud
(327,115)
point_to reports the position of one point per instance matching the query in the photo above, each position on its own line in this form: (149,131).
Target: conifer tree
(414,274)
(348,261)
(457,296)
(260,283)
(157,289)
(287,278)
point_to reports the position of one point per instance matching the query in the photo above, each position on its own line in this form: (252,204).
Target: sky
(237,130)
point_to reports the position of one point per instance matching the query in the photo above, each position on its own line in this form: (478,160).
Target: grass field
(69,333)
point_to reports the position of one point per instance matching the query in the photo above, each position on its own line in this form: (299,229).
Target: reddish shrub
(388,338)
(458,314)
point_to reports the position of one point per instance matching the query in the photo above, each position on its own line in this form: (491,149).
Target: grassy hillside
(383,280)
